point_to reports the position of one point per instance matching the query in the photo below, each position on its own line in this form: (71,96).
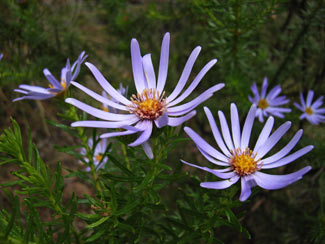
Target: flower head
(268,103)
(68,73)
(311,111)
(1,55)
(99,152)
(150,105)
(244,162)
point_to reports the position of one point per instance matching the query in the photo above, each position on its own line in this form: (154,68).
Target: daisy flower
(150,105)
(268,103)
(240,161)
(68,74)
(311,111)
(99,152)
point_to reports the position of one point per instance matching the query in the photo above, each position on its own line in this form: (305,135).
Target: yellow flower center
(63,84)
(99,157)
(243,162)
(309,111)
(262,104)
(148,104)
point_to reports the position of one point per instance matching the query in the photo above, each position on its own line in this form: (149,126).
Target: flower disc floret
(243,162)
(148,105)
(309,111)
(262,104)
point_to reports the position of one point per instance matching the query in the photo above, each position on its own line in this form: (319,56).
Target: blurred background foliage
(281,39)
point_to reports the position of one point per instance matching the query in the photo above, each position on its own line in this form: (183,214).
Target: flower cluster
(152,106)
(268,104)
(68,73)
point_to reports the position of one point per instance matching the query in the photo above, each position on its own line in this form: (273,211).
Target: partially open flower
(311,111)
(99,151)
(241,160)
(68,73)
(150,105)
(267,104)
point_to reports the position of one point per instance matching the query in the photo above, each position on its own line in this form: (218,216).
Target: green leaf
(97,223)
(96,235)
(119,165)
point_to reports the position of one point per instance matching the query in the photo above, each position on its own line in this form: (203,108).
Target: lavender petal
(149,71)
(194,84)
(180,120)
(284,151)
(248,127)
(145,135)
(137,66)
(220,184)
(101,114)
(185,75)
(163,65)
(106,86)
(203,144)
(225,131)
(99,98)
(288,159)
(235,125)
(266,131)
(147,149)
(273,182)
(273,139)
(216,133)
(216,173)
(102,124)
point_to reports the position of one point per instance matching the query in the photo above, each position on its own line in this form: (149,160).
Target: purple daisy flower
(68,74)
(311,111)
(150,105)
(98,153)
(242,162)
(268,103)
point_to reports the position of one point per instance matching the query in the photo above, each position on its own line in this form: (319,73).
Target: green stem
(125,155)
(94,175)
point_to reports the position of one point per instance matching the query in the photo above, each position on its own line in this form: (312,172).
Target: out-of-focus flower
(122,90)
(1,55)
(68,73)
(311,111)
(150,105)
(244,162)
(99,152)
(268,103)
